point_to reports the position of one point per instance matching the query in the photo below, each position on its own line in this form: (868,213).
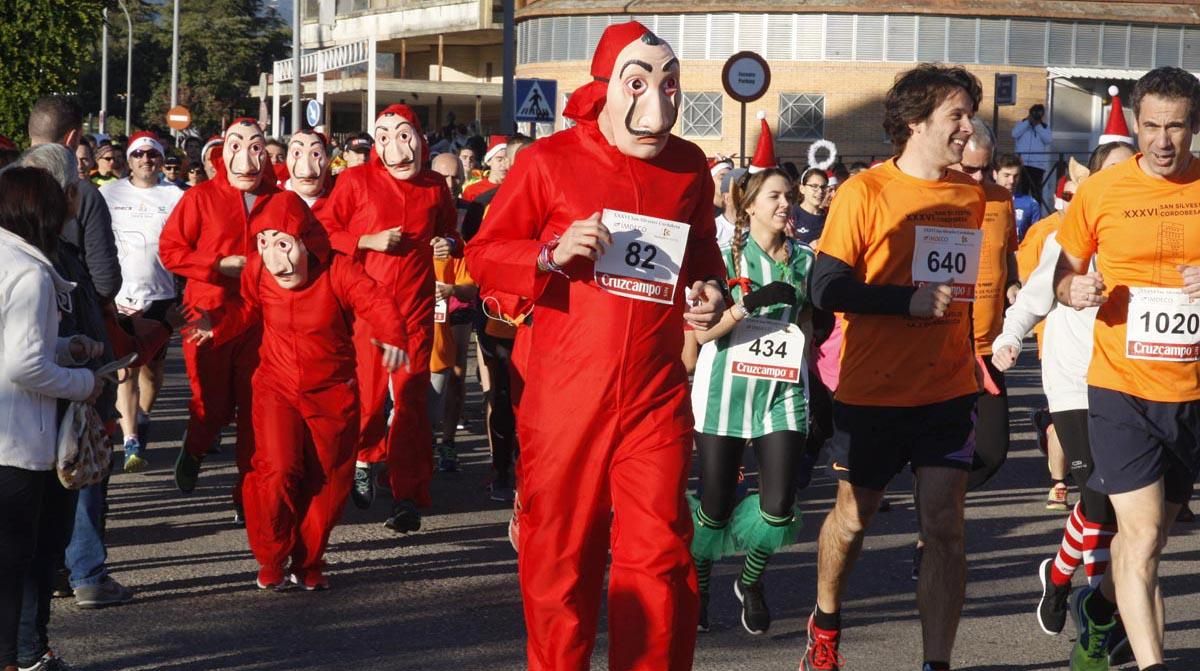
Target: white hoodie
(1067,343)
(31,379)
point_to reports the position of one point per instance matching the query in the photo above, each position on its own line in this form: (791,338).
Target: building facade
(832,62)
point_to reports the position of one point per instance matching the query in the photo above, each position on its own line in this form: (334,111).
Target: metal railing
(325,60)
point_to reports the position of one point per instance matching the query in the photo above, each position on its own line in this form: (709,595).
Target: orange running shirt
(872,224)
(1140,228)
(999,239)
(447,271)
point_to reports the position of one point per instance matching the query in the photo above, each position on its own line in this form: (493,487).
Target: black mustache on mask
(649,133)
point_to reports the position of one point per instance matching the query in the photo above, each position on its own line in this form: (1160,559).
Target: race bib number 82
(644,260)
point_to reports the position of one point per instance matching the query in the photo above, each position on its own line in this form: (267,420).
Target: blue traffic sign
(312,113)
(535,100)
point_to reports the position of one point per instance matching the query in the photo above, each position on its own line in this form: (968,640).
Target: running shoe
(756,618)
(702,626)
(134,461)
(1057,498)
(1119,651)
(501,492)
(272,579)
(62,584)
(48,662)
(447,457)
(187,471)
(107,592)
(1052,607)
(1041,421)
(363,492)
(405,517)
(821,654)
(310,580)
(918,553)
(1091,647)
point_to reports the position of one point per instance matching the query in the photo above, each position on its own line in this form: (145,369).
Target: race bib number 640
(947,255)
(644,260)
(1162,325)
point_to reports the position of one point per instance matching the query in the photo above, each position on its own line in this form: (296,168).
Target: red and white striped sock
(1097,538)
(1070,551)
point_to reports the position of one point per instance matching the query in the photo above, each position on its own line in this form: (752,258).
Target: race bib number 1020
(1162,325)
(644,260)
(948,255)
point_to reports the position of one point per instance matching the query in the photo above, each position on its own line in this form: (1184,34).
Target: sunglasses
(191,170)
(973,169)
(142,153)
(104,158)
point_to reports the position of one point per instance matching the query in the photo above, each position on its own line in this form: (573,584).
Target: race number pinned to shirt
(944,254)
(1162,325)
(644,260)
(439,311)
(766,349)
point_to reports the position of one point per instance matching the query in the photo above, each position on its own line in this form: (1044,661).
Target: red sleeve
(337,214)
(357,290)
(503,254)
(177,244)
(233,317)
(704,255)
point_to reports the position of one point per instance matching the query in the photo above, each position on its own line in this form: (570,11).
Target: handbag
(84,455)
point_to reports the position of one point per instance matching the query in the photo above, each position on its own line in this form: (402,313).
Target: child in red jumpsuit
(305,398)
(394,216)
(604,419)
(206,240)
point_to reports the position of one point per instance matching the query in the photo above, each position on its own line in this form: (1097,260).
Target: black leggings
(820,413)
(720,458)
(1071,426)
(501,422)
(991,431)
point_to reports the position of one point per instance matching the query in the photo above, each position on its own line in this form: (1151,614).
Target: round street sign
(179,118)
(312,113)
(746,76)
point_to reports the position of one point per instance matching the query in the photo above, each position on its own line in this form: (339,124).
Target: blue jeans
(86,555)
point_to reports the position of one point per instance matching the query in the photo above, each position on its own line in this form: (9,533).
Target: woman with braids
(750,387)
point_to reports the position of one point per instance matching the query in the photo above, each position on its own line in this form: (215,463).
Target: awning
(1107,74)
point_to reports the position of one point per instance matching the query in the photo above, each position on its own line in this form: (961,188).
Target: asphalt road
(447,597)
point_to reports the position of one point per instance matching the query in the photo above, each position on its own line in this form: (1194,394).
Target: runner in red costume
(305,397)
(394,215)
(308,167)
(206,240)
(605,421)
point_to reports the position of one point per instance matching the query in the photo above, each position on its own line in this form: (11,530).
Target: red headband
(587,100)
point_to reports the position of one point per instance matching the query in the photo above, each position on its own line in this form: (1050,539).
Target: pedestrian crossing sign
(535,99)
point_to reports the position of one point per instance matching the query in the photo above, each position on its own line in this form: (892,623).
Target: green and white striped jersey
(742,407)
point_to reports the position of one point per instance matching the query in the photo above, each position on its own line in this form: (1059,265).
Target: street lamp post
(128,72)
(296,69)
(104,70)
(175,61)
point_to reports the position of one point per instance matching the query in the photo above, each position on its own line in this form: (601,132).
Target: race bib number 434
(767,349)
(1162,325)
(951,255)
(644,260)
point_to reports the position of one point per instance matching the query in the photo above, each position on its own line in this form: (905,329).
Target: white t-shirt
(725,229)
(138,217)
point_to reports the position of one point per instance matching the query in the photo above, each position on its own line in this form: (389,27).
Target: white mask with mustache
(399,146)
(244,153)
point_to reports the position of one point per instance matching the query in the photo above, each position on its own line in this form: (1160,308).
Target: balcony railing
(325,60)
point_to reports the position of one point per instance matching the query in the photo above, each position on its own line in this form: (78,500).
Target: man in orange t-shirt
(996,284)
(899,256)
(1141,220)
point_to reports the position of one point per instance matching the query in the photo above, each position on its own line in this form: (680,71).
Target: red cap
(587,100)
(495,144)
(1116,130)
(7,144)
(764,155)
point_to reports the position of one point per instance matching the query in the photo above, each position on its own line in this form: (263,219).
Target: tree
(42,47)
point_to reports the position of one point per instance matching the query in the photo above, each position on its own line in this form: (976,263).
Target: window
(801,116)
(702,114)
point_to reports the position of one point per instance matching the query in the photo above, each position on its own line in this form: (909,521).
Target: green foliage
(42,49)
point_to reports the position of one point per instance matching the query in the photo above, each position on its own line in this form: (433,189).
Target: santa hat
(496,144)
(764,155)
(586,101)
(719,163)
(144,140)
(1060,202)
(1116,130)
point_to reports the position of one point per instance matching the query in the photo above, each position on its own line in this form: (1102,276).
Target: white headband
(144,142)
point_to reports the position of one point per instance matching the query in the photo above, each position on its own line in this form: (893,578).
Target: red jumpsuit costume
(367,200)
(212,222)
(604,419)
(305,397)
